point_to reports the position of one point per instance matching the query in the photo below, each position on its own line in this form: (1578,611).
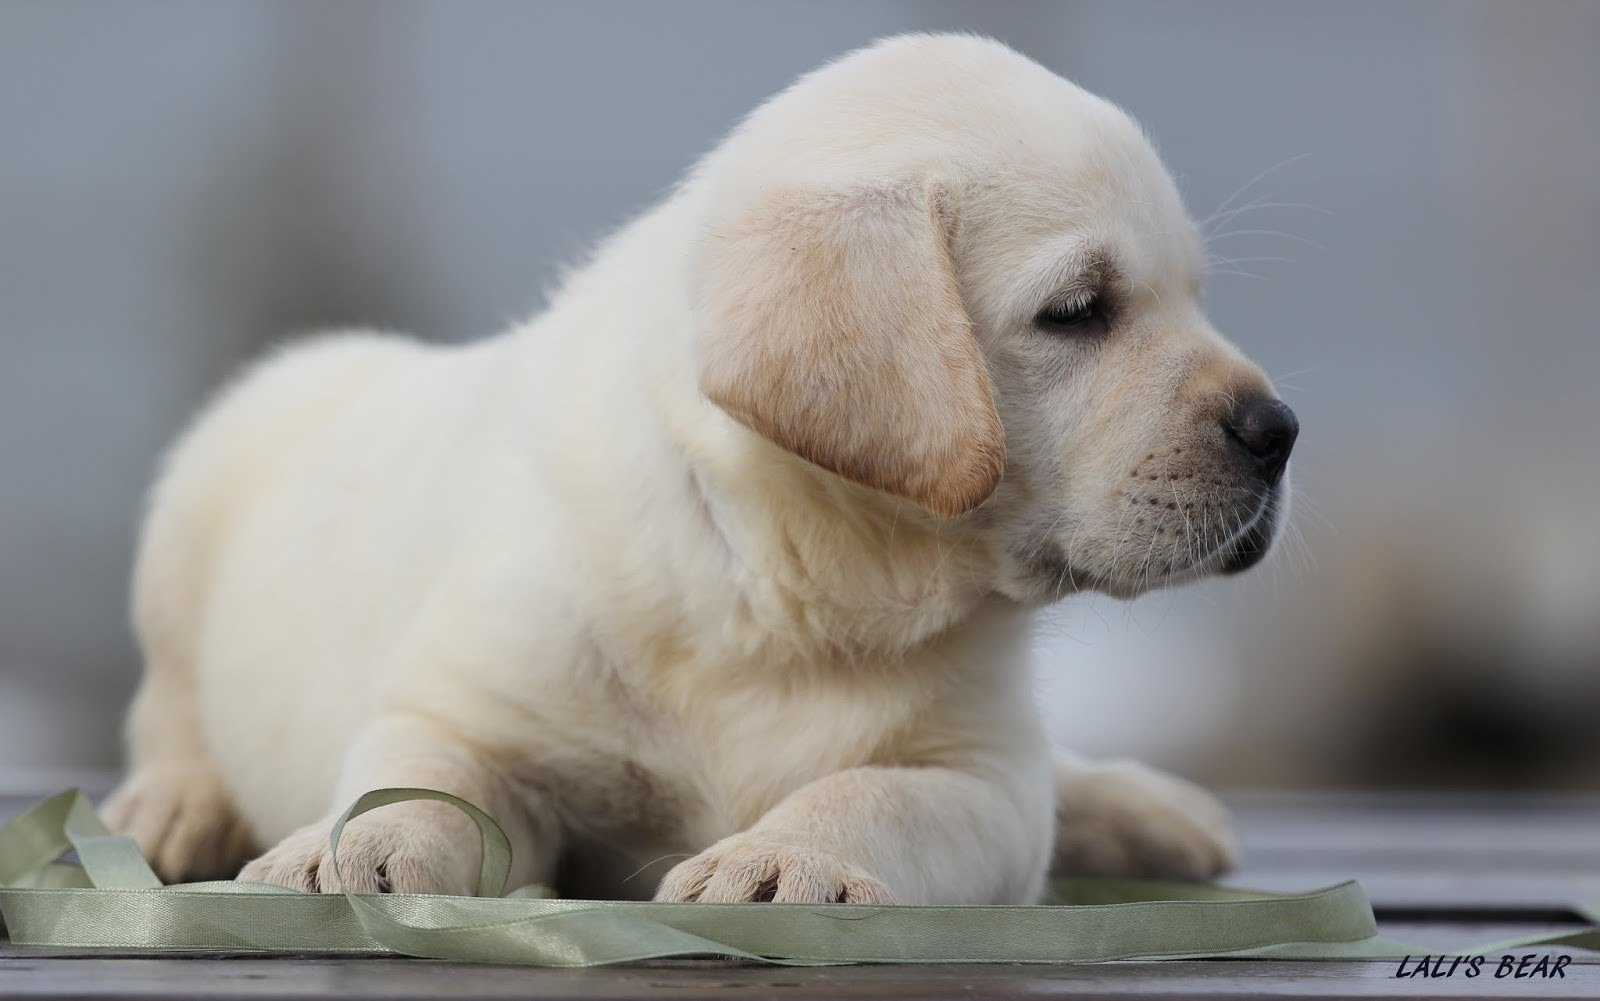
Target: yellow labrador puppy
(711,582)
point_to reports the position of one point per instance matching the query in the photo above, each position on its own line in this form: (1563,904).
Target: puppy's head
(938,270)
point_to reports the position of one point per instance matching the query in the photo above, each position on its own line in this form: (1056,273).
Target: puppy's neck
(824,561)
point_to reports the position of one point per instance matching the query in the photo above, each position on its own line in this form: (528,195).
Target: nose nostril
(1266,429)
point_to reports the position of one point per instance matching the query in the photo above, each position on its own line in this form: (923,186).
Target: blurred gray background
(1413,256)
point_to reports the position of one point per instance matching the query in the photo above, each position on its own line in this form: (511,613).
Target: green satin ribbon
(111,899)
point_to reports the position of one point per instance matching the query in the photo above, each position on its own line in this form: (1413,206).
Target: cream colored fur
(707,583)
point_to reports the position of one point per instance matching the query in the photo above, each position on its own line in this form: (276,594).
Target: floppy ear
(834,328)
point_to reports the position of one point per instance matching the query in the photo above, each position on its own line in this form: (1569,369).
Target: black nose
(1265,429)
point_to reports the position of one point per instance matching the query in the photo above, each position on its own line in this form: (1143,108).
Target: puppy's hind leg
(173,802)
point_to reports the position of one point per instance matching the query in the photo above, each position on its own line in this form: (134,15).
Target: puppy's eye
(1075,316)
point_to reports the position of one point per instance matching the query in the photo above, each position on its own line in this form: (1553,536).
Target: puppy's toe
(1126,819)
(374,857)
(295,862)
(748,868)
(182,821)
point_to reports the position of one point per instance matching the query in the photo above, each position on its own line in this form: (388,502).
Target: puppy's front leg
(883,835)
(1124,818)
(415,847)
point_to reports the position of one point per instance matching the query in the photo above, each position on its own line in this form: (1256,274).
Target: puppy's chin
(1044,576)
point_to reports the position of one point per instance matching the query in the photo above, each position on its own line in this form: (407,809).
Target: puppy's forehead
(1027,150)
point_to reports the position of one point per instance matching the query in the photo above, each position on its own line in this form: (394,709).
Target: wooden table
(1441,871)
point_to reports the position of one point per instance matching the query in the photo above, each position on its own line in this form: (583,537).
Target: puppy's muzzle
(1262,430)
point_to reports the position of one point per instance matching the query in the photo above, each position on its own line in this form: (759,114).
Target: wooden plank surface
(379,978)
(1425,851)
(1452,869)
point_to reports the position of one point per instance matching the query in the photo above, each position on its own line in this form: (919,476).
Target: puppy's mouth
(1250,546)
(1244,548)
(1054,574)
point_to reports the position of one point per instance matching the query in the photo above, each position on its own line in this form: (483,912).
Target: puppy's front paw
(756,867)
(1124,818)
(398,854)
(182,821)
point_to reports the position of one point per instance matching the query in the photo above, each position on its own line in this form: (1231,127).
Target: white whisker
(1246,186)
